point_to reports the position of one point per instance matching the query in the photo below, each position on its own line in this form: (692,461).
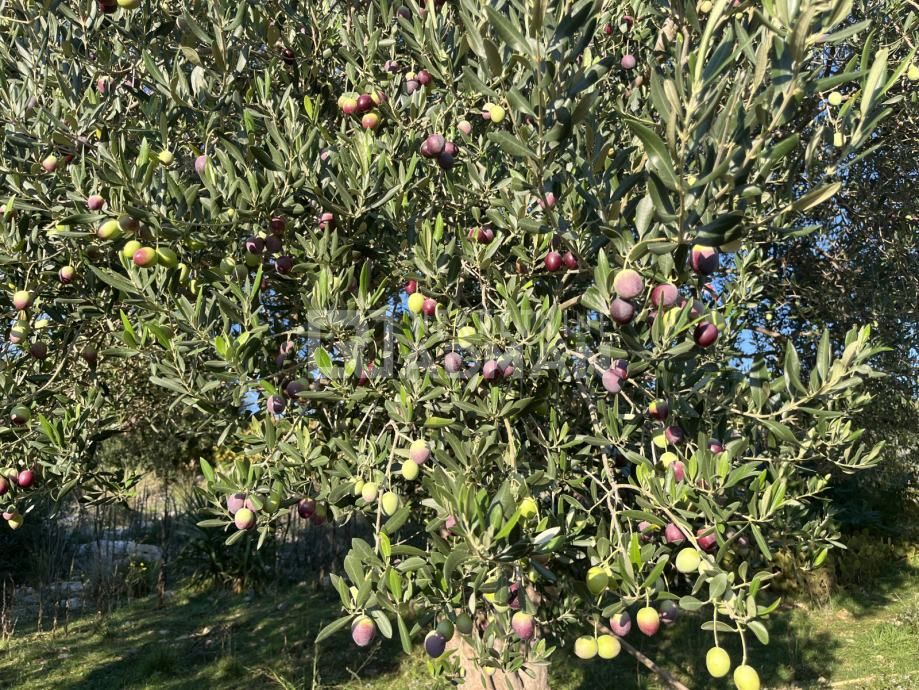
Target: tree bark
(474,679)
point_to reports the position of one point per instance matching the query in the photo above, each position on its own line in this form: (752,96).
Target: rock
(104,556)
(27,599)
(68,587)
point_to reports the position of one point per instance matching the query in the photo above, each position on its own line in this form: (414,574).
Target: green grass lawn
(865,639)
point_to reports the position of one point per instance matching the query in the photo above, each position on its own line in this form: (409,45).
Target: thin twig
(664,675)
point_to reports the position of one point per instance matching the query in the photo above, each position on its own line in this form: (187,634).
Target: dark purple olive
(284,264)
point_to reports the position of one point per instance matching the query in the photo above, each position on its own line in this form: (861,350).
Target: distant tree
(860,266)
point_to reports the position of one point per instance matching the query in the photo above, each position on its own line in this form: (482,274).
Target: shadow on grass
(800,653)
(794,654)
(215,639)
(201,640)
(863,600)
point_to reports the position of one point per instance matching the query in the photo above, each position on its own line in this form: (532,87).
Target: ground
(862,640)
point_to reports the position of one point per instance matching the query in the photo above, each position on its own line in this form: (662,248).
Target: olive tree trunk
(537,677)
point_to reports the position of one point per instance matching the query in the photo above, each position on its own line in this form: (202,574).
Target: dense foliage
(486,275)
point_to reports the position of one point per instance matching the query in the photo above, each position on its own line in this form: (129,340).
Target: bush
(206,561)
(869,557)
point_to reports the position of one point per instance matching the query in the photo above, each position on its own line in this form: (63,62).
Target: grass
(862,640)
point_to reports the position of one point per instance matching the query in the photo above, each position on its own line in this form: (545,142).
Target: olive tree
(482,272)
